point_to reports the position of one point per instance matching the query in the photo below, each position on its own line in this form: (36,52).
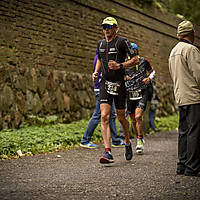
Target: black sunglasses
(107,26)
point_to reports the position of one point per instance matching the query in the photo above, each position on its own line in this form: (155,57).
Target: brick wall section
(47,49)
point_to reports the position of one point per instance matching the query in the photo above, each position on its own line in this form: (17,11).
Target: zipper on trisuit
(107,54)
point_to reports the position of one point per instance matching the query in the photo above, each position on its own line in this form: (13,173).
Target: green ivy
(39,139)
(47,138)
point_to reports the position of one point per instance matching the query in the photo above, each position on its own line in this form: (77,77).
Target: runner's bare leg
(133,121)
(105,128)
(125,124)
(139,122)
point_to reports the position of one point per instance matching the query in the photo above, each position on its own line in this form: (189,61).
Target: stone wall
(44,92)
(47,49)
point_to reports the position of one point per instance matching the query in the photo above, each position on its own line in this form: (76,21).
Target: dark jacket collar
(182,40)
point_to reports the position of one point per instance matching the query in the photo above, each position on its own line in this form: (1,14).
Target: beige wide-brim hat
(184,28)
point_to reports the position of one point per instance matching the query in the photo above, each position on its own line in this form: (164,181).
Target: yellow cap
(184,28)
(110,21)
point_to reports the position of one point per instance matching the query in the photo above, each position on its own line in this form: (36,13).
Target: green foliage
(35,120)
(34,139)
(169,123)
(189,9)
(40,139)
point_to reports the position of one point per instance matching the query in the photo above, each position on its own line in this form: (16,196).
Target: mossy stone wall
(47,49)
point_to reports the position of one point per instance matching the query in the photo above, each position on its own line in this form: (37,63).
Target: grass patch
(47,138)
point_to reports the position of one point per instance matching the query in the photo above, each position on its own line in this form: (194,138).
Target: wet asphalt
(77,174)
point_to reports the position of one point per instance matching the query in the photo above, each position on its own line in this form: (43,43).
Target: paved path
(77,174)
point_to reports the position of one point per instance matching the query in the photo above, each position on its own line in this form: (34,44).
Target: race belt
(135,95)
(112,88)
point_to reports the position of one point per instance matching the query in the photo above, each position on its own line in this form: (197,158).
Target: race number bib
(112,88)
(135,95)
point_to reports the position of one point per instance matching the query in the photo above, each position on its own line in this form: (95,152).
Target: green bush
(169,123)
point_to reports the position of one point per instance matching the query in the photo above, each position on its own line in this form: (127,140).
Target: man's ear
(178,36)
(117,29)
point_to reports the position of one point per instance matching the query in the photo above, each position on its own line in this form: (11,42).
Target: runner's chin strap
(137,65)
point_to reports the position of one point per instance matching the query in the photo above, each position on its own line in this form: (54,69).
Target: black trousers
(189,138)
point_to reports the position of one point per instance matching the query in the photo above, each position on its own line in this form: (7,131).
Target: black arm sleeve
(128,48)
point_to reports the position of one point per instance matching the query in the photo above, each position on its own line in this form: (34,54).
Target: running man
(113,51)
(138,80)
(96,118)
